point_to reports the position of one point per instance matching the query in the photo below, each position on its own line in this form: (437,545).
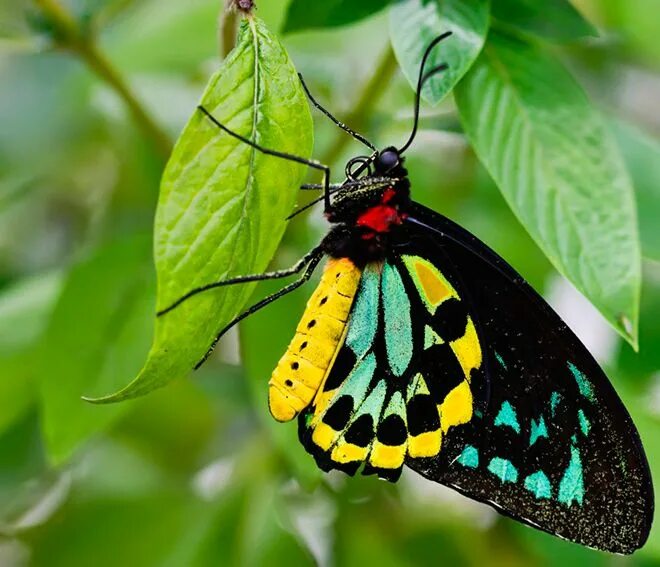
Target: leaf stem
(369,94)
(71,37)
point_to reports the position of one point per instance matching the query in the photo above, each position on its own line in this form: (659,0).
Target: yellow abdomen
(319,335)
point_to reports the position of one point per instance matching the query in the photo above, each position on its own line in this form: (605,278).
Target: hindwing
(409,370)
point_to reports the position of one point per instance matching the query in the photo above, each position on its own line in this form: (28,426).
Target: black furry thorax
(369,215)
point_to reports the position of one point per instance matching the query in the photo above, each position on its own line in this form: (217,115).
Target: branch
(71,37)
(228,23)
(227,28)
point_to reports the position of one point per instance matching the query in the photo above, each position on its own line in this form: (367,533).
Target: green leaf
(303,14)
(98,334)
(642,155)
(223,205)
(553,158)
(551,19)
(415,23)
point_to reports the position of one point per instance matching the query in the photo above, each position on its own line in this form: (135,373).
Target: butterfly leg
(299,265)
(283,155)
(265,301)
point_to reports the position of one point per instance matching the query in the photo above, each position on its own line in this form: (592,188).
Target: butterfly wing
(379,403)
(552,446)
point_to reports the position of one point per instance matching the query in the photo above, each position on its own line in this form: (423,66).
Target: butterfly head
(375,197)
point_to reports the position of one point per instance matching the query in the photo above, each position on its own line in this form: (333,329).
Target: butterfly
(421,347)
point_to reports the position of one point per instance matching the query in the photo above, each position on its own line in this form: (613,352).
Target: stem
(227,29)
(70,36)
(369,94)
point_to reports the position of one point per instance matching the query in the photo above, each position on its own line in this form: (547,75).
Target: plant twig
(70,36)
(228,23)
(369,94)
(227,29)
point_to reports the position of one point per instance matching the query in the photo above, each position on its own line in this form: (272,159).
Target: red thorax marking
(382,216)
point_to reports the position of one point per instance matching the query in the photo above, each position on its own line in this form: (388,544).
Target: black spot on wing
(450,319)
(361,431)
(392,431)
(342,367)
(339,413)
(441,370)
(422,415)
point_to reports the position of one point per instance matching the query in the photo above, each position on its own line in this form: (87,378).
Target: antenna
(359,137)
(421,80)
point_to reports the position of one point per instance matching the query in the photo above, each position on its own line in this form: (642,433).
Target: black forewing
(534,362)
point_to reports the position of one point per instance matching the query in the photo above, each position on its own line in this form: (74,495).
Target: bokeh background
(197,473)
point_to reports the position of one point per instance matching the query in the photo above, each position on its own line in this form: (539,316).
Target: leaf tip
(103,400)
(629,331)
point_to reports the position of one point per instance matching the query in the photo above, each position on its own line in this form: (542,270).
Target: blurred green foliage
(198,473)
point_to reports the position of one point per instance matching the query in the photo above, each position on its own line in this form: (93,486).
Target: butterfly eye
(388,159)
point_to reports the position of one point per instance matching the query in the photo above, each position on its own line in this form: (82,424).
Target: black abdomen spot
(392,430)
(339,413)
(361,431)
(450,319)
(422,415)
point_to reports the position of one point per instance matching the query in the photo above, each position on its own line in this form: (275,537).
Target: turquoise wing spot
(571,487)
(584,423)
(537,430)
(503,469)
(469,457)
(555,398)
(398,326)
(417,386)
(539,485)
(373,405)
(364,317)
(507,417)
(500,360)
(583,384)
(431,338)
(396,406)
